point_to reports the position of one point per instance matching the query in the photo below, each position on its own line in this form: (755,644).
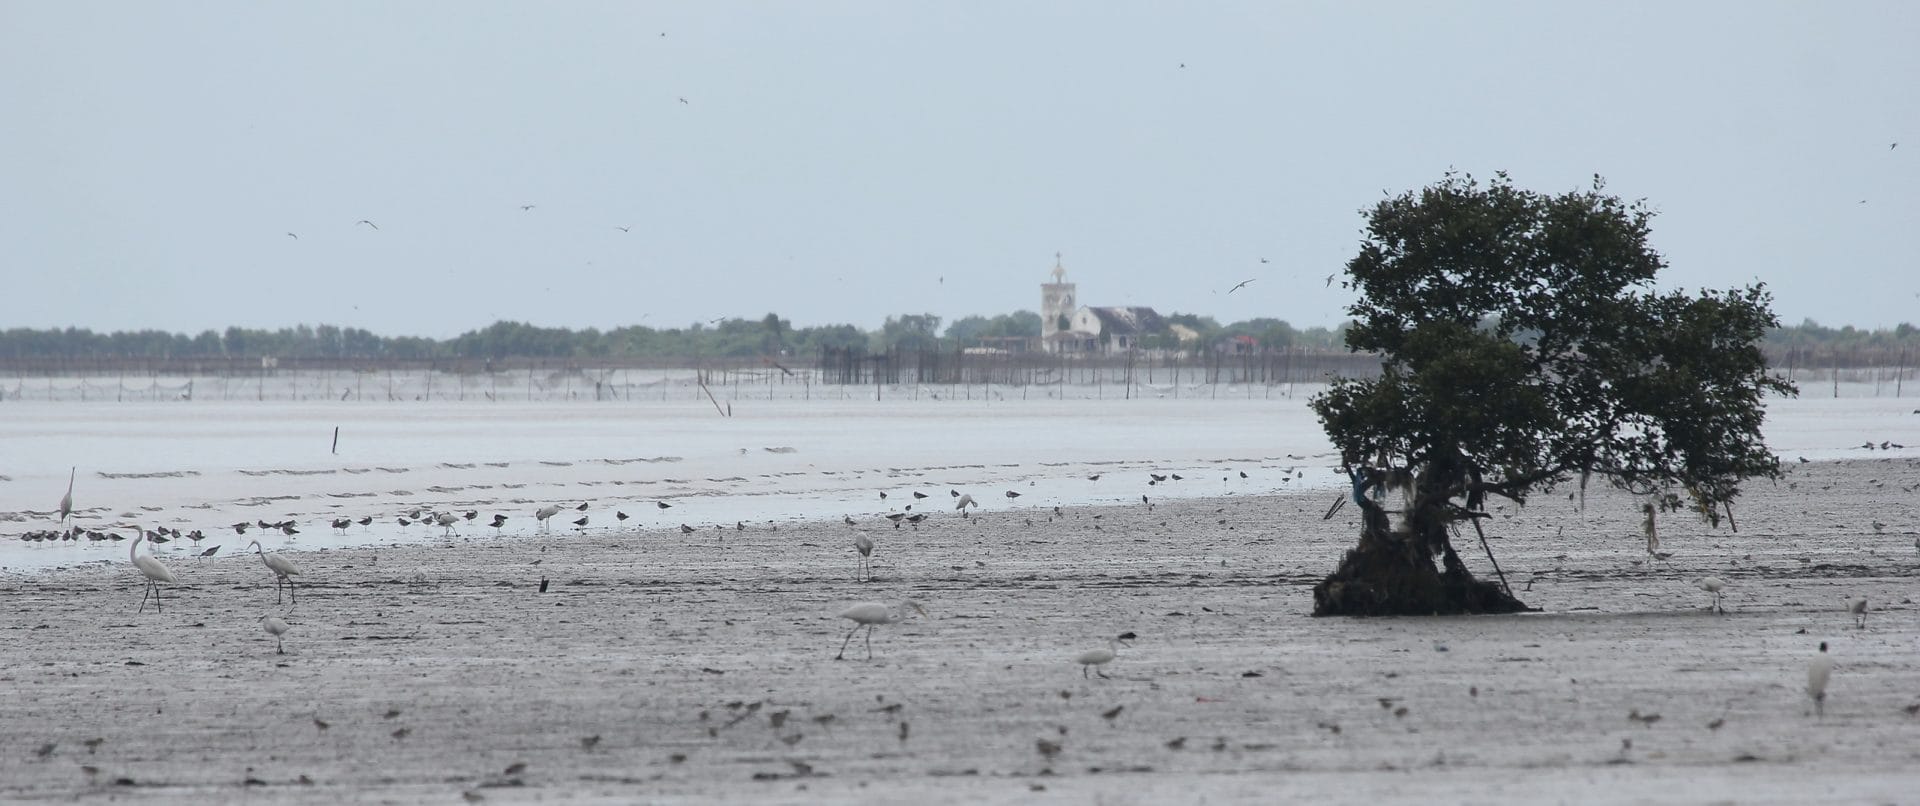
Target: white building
(1067,328)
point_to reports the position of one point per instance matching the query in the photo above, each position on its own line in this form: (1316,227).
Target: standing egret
(1817,674)
(66,501)
(873,614)
(283,571)
(446,520)
(276,628)
(1652,530)
(1101,657)
(543,513)
(152,570)
(1714,585)
(965,500)
(1858,607)
(863,544)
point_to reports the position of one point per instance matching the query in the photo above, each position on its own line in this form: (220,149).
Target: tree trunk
(1392,573)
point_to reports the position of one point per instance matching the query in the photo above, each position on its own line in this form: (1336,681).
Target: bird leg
(869,642)
(144,592)
(843,644)
(279,646)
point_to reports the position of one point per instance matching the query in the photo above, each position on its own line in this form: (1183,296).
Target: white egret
(283,571)
(1101,657)
(543,513)
(446,520)
(152,570)
(1713,585)
(1858,607)
(1817,674)
(863,544)
(966,500)
(66,501)
(873,614)
(276,628)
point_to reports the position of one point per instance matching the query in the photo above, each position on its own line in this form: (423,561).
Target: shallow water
(205,464)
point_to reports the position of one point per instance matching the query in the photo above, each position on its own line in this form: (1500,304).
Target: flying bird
(624,229)
(1330,281)
(293,236)
(1243,283)
(525,207)
(366,222)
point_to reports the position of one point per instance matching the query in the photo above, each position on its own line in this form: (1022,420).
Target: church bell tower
(1056,305)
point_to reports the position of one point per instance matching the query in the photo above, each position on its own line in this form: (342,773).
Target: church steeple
(1056,304)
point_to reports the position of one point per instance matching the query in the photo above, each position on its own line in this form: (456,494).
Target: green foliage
(912,331)
(969,329)
(1523,345)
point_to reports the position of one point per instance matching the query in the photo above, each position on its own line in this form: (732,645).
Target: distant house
(1069,329)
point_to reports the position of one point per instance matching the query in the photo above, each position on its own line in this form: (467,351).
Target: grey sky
(840,162)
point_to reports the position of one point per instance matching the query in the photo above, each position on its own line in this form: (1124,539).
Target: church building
(1067,328)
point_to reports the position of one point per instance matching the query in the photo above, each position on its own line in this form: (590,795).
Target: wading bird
(543,513)
(1714,585)
(1817,674)
(1858,607)
(864,566)
(152,570)
(873,614)
(276,628)
(446,520)
(1101,657)
(66,501)
(283,571)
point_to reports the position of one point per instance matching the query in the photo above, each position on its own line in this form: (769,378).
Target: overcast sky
(840,162)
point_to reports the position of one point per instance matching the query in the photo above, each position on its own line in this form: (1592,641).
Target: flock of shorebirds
(864,615)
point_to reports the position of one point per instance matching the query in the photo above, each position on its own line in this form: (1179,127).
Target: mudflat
(663,667)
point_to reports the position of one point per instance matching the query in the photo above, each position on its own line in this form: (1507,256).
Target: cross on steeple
(1059,272)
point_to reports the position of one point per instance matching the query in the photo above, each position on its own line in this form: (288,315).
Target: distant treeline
(728,338)
(1806,344)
